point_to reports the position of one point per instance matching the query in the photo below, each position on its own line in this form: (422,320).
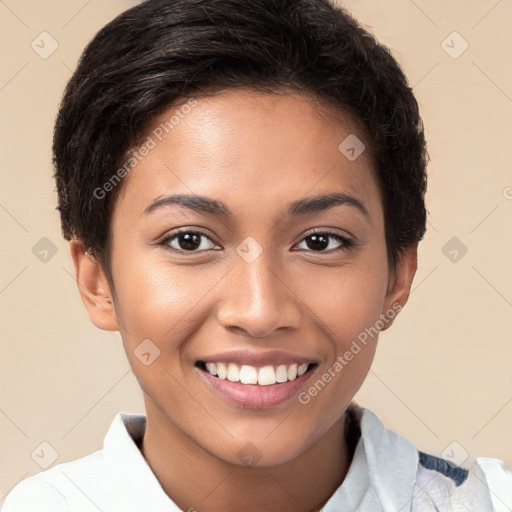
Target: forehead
(246,146)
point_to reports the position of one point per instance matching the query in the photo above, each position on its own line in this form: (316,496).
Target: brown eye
(323,242)
(188,241)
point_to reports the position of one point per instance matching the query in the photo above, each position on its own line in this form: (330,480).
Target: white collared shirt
(387,474)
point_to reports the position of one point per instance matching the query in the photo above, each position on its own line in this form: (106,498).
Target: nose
(258,300)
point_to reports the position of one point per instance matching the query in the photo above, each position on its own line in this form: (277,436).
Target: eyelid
(328,231)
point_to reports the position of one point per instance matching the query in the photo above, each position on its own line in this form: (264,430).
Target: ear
(94,288)
(400,282)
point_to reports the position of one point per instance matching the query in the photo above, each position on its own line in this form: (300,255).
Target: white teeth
(212,368)
(233,373)
(292,372)
(301,369)
(264,376)
(248,375)
(281,373)
(222,371)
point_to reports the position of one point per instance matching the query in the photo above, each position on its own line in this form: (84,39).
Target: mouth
(255,387)
(267,375)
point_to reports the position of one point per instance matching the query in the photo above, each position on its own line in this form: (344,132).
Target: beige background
(442,373)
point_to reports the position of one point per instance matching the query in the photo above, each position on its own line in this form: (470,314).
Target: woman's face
(280,266)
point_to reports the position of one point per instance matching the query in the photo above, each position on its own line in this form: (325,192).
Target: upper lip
(251,358)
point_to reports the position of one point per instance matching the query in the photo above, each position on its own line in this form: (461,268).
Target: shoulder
(55,489)
(403,475)
(484,485)
(36,494)
(499,479)
(90,483)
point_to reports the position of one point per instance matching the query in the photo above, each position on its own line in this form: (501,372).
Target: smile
(255,386)
(263,376)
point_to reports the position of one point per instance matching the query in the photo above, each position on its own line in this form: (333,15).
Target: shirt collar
(381,476)
(136,486)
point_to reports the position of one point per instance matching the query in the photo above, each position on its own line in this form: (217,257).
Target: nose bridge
(256,297)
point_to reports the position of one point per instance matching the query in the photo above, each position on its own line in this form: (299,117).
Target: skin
(256,153)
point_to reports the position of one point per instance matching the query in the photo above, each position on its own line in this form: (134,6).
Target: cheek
(344,300)
(347,304)
(349,311)
(161,301)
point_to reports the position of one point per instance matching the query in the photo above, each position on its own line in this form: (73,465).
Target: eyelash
(346,244)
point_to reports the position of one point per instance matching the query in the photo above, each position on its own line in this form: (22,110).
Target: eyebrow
(205,204)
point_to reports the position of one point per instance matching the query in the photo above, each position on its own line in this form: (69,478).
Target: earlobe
(93,287)
(400,285)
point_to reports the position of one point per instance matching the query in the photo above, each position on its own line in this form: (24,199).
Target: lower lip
(253,396)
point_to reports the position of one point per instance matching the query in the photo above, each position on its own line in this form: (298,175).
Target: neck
(197,480)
